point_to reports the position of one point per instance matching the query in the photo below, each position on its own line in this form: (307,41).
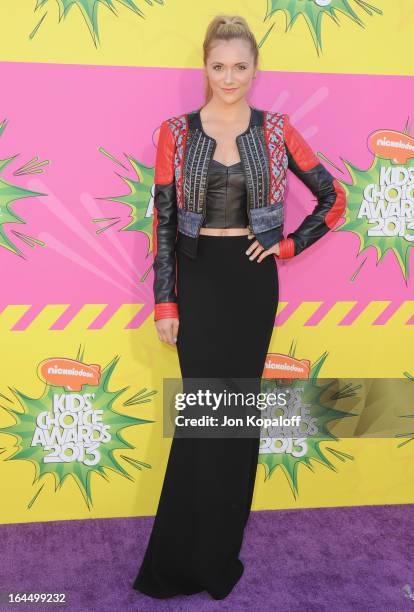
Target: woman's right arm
(164,233)
(330,195)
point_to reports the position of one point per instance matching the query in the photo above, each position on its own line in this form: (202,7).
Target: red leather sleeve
(164,161)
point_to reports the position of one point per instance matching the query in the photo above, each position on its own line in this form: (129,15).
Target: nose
(228,76)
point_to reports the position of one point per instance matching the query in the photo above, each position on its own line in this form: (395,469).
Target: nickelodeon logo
(285,368)
(69,373)
(392,145)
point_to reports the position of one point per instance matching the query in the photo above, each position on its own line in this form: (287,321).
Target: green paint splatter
(313,12)
(315,404)
(138,199)
(9,194)
(89,10)
(102,399)
(381,223)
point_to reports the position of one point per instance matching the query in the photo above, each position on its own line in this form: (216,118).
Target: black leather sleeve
(165,227)
(330,194)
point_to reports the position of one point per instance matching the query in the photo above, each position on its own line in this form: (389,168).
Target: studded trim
(179,128)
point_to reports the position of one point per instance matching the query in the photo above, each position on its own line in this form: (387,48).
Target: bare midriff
(228,231)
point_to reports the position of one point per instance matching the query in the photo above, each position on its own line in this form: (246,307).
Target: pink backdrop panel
(67,113)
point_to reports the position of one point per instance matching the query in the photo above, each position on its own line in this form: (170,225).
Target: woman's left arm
(328,191)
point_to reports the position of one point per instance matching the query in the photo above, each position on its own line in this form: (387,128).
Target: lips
(229,90)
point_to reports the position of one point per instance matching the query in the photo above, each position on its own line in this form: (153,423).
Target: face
(230,69)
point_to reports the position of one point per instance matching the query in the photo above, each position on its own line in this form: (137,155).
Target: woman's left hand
(256,248)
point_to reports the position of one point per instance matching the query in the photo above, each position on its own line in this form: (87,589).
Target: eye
(214,67)
(242,67)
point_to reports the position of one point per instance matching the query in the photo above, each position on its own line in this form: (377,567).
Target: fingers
(252,247)
(263,255)
(168,330)
(162,335)
(169,334)
(175,330)
(254,250)
(274,250)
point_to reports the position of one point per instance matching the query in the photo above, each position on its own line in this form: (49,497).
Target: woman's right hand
(167,329)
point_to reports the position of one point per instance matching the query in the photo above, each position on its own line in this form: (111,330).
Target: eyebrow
(242,62)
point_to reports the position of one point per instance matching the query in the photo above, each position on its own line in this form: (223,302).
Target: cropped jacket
(268,148)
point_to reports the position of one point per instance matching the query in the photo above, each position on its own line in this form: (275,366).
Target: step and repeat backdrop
(85,85)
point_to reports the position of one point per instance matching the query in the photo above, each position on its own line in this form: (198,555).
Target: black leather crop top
(226,196)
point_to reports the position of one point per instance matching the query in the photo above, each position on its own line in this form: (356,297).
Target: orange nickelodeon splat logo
(69,373)
(397,146)
(285,368)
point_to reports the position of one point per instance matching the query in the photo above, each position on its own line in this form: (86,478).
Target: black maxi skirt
(227,307)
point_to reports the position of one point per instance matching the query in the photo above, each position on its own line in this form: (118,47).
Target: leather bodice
(226,196)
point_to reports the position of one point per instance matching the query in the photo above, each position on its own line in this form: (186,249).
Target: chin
(230,97)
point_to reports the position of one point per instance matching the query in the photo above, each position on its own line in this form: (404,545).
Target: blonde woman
(220,181)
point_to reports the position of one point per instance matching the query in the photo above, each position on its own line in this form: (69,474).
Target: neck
(227,112)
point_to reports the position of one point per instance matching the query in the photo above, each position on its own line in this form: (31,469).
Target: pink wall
(65,113)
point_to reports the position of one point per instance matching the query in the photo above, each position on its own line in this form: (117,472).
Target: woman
(220,179)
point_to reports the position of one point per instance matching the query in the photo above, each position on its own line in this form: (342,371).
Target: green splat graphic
(318,397)
(382,224)
(137,199)
(103,399)
(9,194)
(89,10)
(314,10)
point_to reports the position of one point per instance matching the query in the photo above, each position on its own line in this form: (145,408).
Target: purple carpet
(358,558)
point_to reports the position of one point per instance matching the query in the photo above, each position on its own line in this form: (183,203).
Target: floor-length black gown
(227,305)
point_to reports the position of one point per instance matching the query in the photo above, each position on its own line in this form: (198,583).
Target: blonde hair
(227,27)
